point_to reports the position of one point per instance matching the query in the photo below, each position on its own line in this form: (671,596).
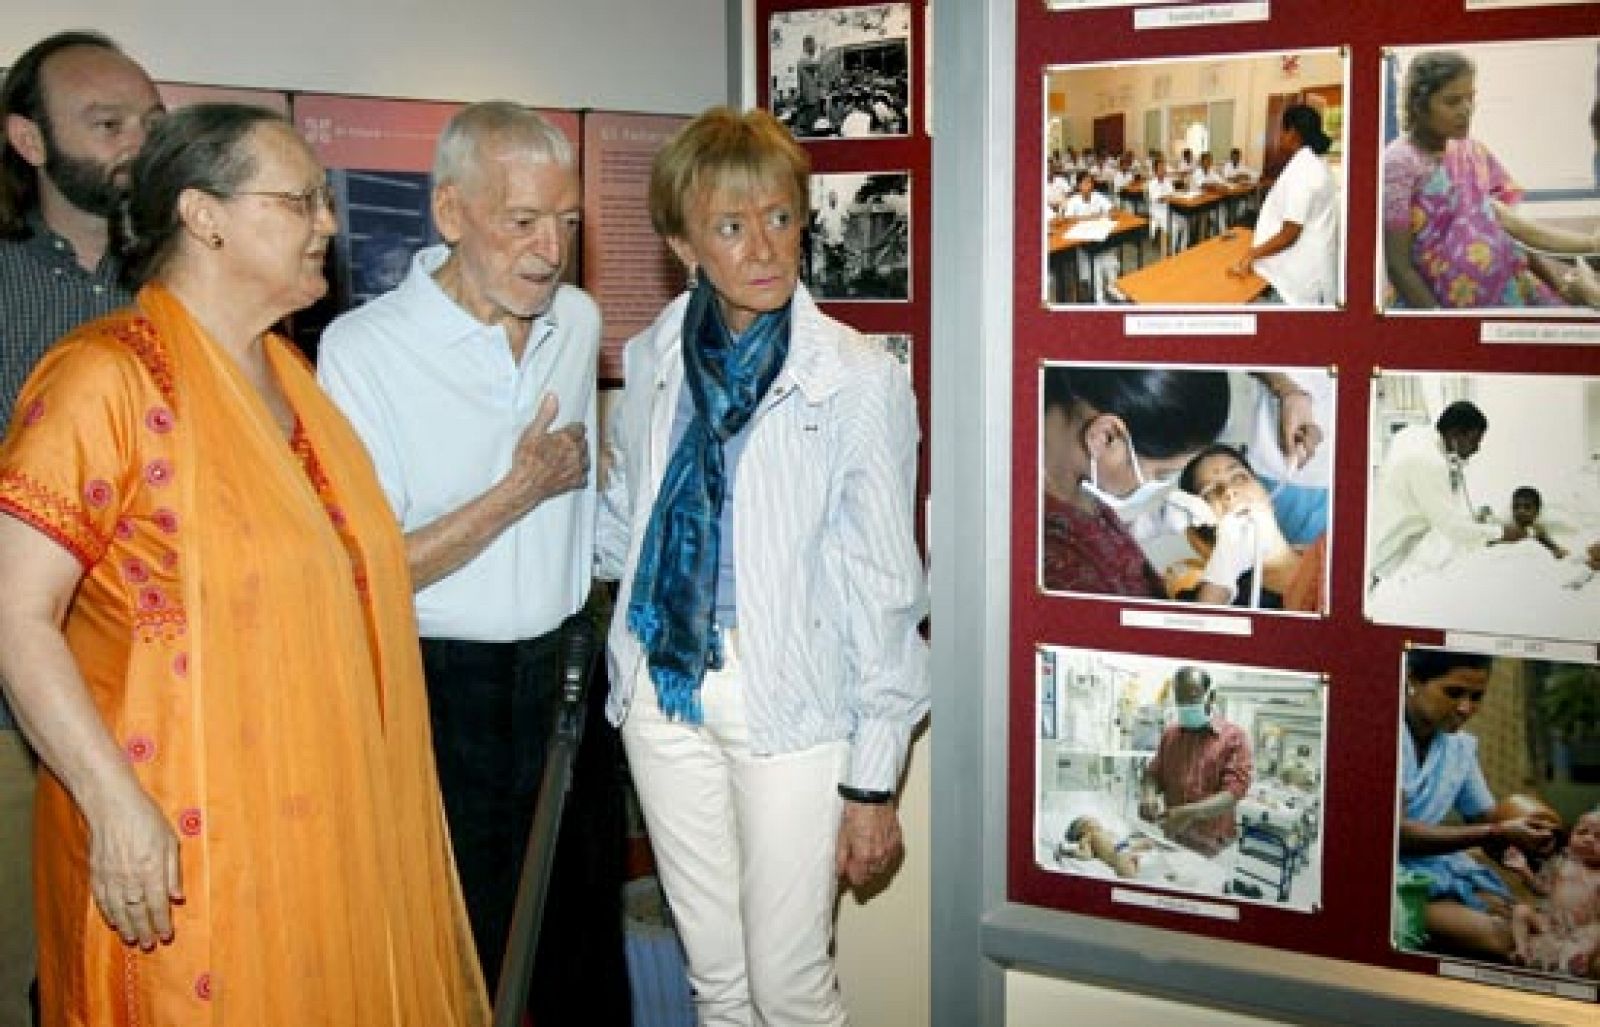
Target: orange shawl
(248,637)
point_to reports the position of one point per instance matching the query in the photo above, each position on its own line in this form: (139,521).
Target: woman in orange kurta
(207,633)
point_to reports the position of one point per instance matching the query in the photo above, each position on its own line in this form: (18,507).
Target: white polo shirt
(440,404)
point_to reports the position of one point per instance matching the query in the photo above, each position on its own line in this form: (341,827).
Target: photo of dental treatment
(1484,507)
(1191,776)
(1188,485)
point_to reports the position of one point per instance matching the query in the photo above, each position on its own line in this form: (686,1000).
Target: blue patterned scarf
(675,586)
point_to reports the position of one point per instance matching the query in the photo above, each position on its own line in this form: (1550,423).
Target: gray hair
(499,125)
(1429,72)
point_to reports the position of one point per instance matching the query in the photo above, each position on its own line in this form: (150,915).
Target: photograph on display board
(1208,486)
(860,230)
(1498,826)
(1490,5)
(1483,209)
(1187,775)
(1084,5)
(843,72)
(1484,503)
(1201,181)
(897,345)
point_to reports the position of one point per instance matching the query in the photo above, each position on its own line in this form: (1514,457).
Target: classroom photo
(1196,182)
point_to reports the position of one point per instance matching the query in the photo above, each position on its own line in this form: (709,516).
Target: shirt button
(99,289)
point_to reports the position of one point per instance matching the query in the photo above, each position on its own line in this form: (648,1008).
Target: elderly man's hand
(548,463)
(869,841)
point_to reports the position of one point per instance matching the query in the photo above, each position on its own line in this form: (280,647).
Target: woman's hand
(869,841)
(1532,833)
(133,868)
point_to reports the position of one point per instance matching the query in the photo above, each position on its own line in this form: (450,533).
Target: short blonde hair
(722,149)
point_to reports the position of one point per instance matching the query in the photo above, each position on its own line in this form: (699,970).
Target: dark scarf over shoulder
(675,585)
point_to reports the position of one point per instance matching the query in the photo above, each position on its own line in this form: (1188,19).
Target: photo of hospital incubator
(1113,731)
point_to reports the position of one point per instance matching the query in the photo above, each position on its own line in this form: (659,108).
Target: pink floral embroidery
(158,472)
(169,560)
(190,822)
(98,493)
(152,598)
(166,520)
(158,420)
(124,529)
(136,570)
(35,412)
(202,987)
(140,748)
(180,665)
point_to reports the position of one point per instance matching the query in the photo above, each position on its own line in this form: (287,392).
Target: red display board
(817,64)
(1359,660)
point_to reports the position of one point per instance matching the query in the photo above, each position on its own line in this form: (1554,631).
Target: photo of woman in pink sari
(1443,245)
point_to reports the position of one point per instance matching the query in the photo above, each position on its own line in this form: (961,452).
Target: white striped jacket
(831,586)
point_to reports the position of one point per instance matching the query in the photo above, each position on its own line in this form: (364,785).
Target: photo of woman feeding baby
(1184,484)
(1498,843)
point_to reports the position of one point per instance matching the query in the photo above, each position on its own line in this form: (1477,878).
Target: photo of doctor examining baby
(1196,181)
(1198,485)
(1484,503)
(1191,776)
(1498,837)
(1483,207)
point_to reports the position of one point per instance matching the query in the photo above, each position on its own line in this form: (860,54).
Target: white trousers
(745,846)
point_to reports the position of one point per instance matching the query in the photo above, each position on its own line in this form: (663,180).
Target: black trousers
(492,706)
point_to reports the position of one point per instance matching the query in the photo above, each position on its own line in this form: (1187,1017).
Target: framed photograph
(1187,485)
(1190,776)
(1497,840)
(1483,209)
(1210,181)
(860,236)
(842,72)
(1483,512)
(1086,5)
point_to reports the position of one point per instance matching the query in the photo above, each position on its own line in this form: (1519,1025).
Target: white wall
(658,56)
(1034,1000)
(883,942)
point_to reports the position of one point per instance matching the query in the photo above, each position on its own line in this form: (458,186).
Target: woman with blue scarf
(766,667)
(1469,904)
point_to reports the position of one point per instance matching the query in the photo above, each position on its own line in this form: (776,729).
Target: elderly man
(1201,769)
(1421,491)
(473,387)
(75,111)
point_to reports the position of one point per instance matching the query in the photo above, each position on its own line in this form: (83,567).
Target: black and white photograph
(1210,181)
(843,72)
(1481,207)
(1484,507)
(860,229)
(897,345)
(1187,775)
(1497,848)
(1199,486)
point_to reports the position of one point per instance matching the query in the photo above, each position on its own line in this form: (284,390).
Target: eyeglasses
(306,202)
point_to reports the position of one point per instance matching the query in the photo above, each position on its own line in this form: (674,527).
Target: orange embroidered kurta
(244,626)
